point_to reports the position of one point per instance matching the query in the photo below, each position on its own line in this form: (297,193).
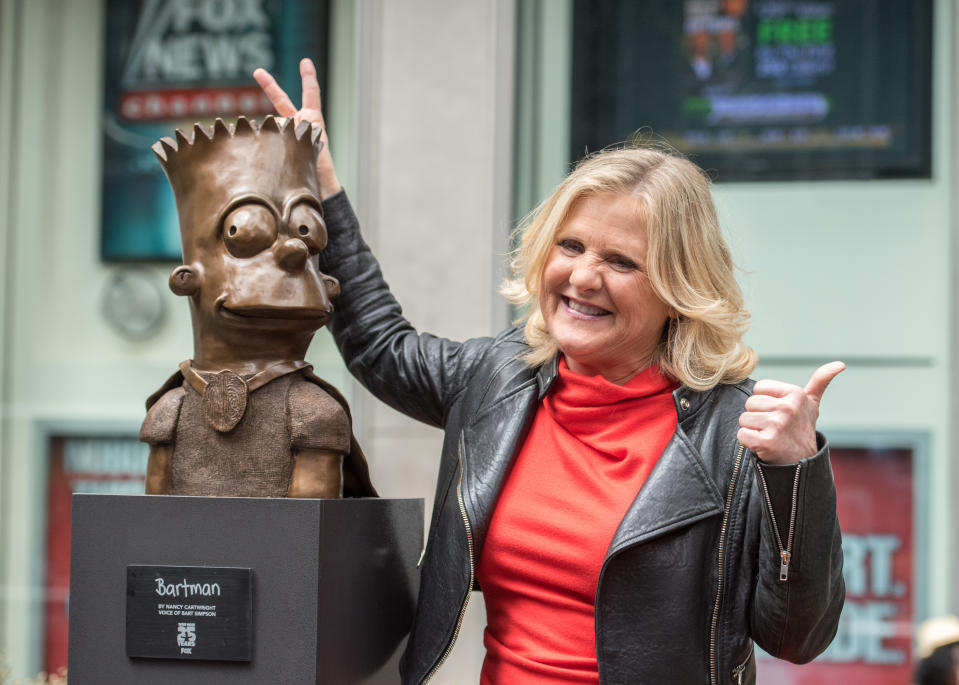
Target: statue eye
(248,230)
(306,223)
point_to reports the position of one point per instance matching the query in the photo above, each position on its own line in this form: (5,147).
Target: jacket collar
(546,374)
(489,443)
(687,400)
(677,493)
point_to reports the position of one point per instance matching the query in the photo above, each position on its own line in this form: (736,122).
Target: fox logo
(186,634)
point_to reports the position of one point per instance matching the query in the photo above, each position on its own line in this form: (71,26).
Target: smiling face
(259,268)
(256,228)
(595,297)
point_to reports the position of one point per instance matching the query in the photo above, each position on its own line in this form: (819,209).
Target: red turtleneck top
(590,448)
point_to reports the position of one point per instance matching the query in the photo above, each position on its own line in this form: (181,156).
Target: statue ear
(332,286)
(185,280)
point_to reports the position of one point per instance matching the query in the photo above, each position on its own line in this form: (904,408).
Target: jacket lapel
(487,447)
(677,493)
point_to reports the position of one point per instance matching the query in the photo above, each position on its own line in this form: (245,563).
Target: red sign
(104,465)
(197,103)
(874,642)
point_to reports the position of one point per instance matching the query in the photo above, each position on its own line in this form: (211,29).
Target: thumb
(821,378)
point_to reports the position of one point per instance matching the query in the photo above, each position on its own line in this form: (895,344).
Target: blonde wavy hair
(688,263)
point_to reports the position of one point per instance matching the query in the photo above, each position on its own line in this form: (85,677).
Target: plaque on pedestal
(330,583)
(169,606)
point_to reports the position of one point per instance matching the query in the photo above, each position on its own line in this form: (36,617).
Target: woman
(937,646)
(599,479)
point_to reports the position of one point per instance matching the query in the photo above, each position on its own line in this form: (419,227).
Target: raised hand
(310,110)
(779,423)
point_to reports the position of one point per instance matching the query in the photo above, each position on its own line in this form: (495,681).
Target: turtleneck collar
(604,415)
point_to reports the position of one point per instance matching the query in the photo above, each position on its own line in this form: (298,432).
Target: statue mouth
(281,313)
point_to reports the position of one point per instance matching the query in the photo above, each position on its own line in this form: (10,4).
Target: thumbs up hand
(779,423)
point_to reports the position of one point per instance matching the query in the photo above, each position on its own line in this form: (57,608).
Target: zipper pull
(738,673)
(785,556)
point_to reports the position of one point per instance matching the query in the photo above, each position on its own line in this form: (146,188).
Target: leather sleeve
(796,619)
(779,481)
(416,373)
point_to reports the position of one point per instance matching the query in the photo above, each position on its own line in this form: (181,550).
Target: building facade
(448,121)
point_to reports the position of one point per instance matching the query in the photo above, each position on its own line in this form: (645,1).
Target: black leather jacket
(695,571)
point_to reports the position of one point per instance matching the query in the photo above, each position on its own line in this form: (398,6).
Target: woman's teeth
(584,308)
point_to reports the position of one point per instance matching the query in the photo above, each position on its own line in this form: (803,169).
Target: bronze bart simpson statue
(246,416)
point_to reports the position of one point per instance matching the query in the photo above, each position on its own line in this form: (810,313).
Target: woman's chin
(581,360)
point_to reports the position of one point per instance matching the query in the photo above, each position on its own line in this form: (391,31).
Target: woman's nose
(584,275)
(292,254)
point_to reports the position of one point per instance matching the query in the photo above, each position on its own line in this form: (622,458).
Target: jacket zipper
(469,588)
(737,673)
(714,625)
(785,551)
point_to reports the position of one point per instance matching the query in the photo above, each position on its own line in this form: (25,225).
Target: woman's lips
(581,310)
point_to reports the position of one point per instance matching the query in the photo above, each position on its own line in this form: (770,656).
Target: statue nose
(292,254)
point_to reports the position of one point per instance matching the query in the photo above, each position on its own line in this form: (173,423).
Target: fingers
(779,421)
(821,378)
(281,101)
(775,441)
(773,388)
(758,421)
(750,439)
(763,403)
(310,84)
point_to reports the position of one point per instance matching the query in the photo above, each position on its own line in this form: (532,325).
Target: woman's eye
(248,230)
(623,264)
(306,223)
(571,246)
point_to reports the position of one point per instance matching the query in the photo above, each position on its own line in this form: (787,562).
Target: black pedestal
(334,584)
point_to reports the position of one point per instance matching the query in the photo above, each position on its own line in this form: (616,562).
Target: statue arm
(159,431)
(159,472)
(317,473)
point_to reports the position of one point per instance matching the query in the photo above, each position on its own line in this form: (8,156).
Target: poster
(876,489)
(170,63)
(111,465)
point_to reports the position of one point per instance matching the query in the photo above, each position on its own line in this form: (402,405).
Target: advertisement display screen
(759,89)
(170,64)
(876,490)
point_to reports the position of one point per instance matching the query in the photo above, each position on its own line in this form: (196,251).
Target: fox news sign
(170,63)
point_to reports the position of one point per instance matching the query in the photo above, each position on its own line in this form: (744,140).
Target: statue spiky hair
(208,163)
(183,149)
